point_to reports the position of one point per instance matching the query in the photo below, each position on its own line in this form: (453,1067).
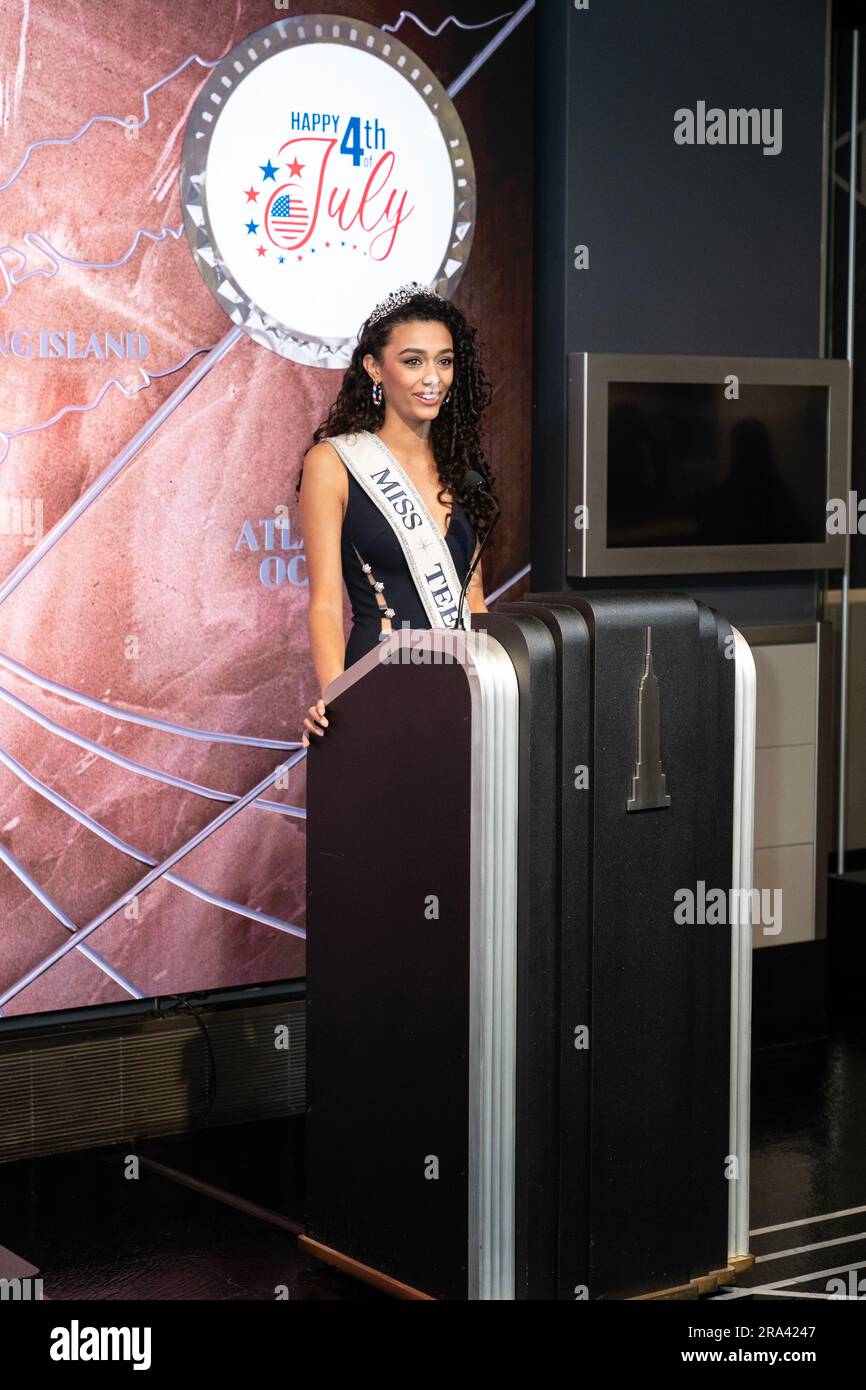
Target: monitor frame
(586,550)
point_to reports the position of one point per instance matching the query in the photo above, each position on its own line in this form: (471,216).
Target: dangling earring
(377,393)
(448,397)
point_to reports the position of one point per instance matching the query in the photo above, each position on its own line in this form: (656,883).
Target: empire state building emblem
(648,780)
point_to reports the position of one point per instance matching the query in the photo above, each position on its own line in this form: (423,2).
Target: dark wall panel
(706,249)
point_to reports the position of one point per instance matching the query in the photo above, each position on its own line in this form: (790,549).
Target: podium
(527,1039)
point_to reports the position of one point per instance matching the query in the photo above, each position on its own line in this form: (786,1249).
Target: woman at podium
(387,506)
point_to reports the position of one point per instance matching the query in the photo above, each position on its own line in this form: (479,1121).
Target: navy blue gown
(366,527)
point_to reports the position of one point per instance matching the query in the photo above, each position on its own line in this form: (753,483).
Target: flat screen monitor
(680,465)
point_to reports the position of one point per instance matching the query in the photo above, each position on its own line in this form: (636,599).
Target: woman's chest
(365,527)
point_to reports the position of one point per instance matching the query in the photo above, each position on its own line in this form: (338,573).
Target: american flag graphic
(288,218)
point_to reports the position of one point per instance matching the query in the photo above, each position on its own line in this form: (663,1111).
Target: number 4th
(353,146)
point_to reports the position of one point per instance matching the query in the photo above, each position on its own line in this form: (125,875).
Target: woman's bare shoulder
(326,474)
(323,455)
(326,468)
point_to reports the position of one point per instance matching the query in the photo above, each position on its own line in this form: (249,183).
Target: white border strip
(779,1285)
(803,1249)
(807,1221)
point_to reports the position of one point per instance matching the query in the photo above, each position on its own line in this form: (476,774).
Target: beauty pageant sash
(388,485)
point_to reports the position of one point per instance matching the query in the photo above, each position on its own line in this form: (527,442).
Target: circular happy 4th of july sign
(323,165)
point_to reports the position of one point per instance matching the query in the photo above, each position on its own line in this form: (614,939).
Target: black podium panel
(426,1007)
(387,985)
(659,1007)
(710,1123)
(572,750)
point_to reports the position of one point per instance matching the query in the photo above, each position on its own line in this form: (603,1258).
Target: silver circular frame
(223,80)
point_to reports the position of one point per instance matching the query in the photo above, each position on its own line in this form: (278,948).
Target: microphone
(475,481)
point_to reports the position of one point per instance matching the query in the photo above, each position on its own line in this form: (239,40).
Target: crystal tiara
(401,295)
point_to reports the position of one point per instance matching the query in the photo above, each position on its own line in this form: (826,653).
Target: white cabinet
(791,772)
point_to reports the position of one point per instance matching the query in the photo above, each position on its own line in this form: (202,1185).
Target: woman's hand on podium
(318,713)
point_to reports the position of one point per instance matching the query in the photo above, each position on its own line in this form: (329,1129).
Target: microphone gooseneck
(476,481)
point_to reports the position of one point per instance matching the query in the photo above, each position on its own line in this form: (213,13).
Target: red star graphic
(251,194)
(294,168)
(300,258)
(261,250)
(327,243)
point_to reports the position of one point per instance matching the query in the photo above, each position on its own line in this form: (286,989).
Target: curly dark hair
(454,433)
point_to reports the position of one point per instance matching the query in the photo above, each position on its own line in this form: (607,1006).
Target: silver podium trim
(745,689)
